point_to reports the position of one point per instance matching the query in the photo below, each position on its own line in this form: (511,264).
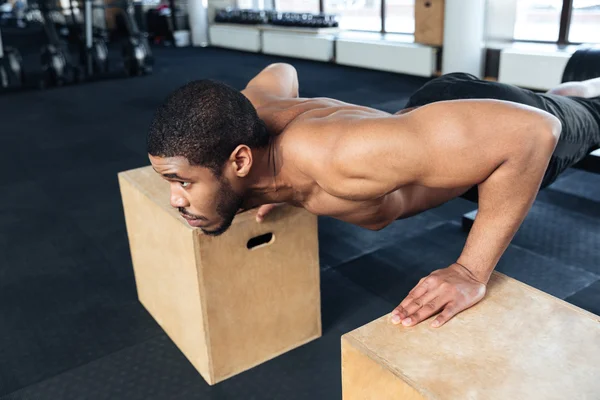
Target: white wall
(500,19)
(464,42)
(532,68)
(198,21)
(308,46)
(405,58)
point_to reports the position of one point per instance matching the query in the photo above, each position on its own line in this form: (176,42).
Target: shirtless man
(223,150)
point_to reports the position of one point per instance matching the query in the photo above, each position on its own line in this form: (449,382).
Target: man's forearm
(504,200)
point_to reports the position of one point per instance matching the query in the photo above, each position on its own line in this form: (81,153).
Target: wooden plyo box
(226,306)
(518,343)
(429,22)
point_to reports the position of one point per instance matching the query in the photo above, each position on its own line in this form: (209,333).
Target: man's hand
(450,290)
(265,209)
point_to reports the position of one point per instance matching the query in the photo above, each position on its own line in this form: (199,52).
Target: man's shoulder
(306,140)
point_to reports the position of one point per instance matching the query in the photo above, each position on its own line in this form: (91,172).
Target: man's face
(204,200)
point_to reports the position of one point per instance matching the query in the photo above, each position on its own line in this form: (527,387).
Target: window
(559,21)
(308,6)
(245,4)
(400,16)
(538,20)
(363,15)
(585,21)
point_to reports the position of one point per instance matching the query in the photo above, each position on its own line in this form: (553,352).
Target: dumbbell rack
(288,29)
(283,22)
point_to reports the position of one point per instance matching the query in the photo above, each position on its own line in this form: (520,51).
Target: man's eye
(185,184)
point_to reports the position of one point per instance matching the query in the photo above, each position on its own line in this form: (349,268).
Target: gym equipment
(429,22)
(244,17)
(584,64)
(167,24)
(242,298)
(137,55)
(91,42)
(11,67)
(305,20)
(57,65)
(256,17)
(505,347)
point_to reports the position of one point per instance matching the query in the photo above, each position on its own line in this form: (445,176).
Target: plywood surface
(165,268)
(429,22)
(227,307)
(263,301)
(365,379)
(517,343)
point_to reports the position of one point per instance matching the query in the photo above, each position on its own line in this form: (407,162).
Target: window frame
(565,23)
(566,15)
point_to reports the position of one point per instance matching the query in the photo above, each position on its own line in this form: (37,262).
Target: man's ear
(241,160)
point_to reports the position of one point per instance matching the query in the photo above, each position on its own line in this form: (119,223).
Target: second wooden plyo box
(229,302)
(517,343)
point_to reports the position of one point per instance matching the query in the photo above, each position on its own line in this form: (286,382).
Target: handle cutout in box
(259,241)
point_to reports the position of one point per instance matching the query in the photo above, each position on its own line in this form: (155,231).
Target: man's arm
(502,147)
(505,150)
(276,81)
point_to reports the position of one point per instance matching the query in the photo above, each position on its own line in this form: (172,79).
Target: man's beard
(228,204)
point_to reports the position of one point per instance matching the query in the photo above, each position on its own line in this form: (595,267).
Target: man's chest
(370,214)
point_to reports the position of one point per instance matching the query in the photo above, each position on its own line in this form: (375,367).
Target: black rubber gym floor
(70,323)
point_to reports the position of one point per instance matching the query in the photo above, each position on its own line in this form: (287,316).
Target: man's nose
(178,201)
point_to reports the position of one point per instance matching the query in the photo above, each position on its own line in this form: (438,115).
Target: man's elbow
(555,129)
(291,76)
(546,133)
(551,133)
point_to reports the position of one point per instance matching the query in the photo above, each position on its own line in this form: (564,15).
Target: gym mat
(155,369)
(393,271)
(567,236)
(588,298)
(581,184)
(340,241)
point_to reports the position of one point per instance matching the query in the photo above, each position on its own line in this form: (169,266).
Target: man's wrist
(481,275)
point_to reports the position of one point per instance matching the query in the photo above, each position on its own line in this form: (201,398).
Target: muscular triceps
(468,140)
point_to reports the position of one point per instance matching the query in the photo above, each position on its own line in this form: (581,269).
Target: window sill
(532,47)
(377,37)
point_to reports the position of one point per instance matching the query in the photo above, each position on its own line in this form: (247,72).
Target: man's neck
(269,183)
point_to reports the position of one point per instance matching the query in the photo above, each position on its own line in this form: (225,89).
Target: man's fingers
(401,312)
(429,300)
(263,211)
(419,286)
(428,309)
(417,292)
(449,312)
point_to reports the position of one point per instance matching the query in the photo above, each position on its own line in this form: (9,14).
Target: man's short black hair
(204,121)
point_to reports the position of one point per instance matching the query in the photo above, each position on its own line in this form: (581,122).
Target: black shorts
(580,117)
